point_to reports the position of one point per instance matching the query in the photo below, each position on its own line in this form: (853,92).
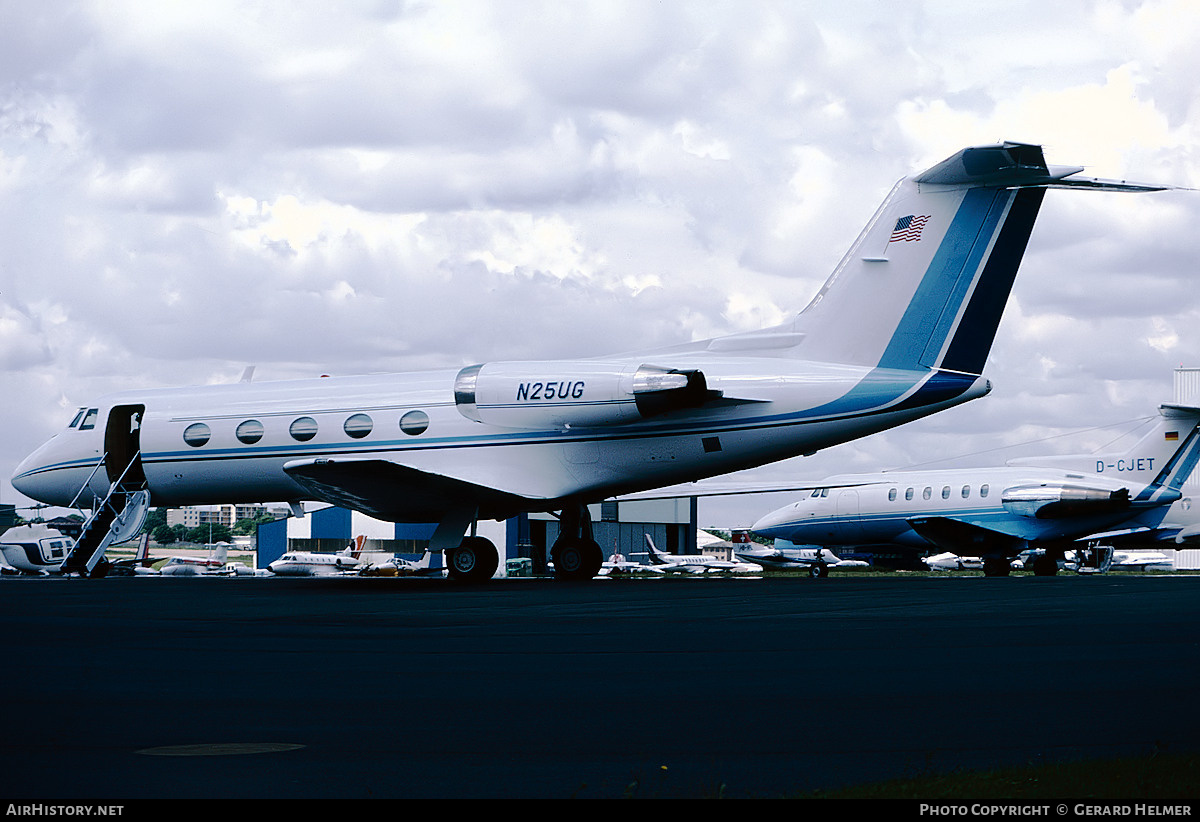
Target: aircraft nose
(27,477)
(769,525)
(43,476)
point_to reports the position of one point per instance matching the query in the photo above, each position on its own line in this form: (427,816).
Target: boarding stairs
(117,518)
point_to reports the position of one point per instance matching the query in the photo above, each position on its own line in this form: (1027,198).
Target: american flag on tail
(908,229)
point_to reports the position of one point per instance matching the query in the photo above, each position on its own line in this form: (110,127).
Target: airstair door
(122,446)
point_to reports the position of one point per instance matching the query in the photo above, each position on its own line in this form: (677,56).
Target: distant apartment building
(227,515)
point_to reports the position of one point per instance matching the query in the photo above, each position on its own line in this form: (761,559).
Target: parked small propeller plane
(1050,505)
(900,330)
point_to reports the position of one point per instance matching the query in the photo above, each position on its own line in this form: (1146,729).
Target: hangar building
(619,527)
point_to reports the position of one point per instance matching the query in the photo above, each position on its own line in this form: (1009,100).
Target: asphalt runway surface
(131,688)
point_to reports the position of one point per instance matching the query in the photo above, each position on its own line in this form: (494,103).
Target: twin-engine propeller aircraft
(899,331)
(1052,506)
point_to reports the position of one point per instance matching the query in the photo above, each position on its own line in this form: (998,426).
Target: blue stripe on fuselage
(885,390)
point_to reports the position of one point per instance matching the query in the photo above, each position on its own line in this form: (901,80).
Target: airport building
(619,527)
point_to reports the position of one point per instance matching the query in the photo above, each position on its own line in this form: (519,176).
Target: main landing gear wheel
(1045,566)
(576,558)
(996,566)
(817,571)
(474,560)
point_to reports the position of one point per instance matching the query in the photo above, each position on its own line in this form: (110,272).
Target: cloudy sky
(336,188)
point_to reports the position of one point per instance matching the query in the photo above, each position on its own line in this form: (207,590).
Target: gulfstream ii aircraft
(1052,505)
(899,331)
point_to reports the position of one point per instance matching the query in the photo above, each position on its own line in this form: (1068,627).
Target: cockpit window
(89,419)
(78,416)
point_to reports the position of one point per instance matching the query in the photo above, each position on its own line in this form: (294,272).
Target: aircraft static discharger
(900,330)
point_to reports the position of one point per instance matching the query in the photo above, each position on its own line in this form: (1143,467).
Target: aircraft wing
(965,539)
(728,489)
(1179,535)
(390,491)
(774,559)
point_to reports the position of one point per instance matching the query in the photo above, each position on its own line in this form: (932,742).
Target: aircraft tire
(474,560)
(1045,567)
(818,571)
(576,559)
(996,567)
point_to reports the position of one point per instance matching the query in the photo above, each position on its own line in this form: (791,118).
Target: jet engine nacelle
(1052,501)
(558,394)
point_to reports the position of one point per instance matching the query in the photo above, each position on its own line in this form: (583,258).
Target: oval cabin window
(414,423)
(358,426)
(197,434)
(249,432)
(303,429)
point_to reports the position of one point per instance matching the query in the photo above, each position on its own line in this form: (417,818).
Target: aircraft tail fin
(142,555)
(1162,458)
(656,556)
(926,283)
(1182,462)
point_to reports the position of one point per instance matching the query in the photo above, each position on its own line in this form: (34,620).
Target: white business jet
(900,330)
(1045,508)
(316,564)
(696,563)
(188,566)
(617,566)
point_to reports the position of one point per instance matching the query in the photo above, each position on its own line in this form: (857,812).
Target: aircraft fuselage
(230,443)
(880,509)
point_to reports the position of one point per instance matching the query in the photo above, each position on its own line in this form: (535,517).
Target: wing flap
(965,539)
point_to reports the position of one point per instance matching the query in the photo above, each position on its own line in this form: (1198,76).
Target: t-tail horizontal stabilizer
(925,284)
